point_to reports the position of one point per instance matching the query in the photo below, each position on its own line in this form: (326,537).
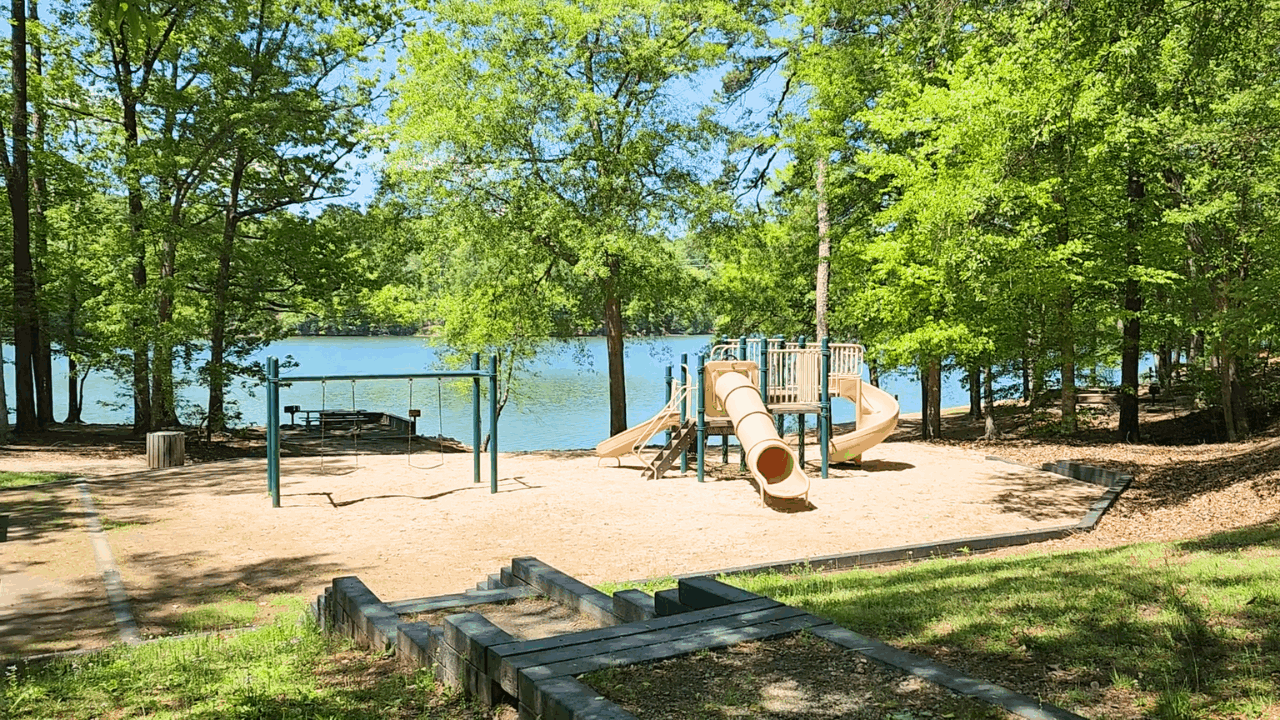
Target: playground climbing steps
(670,453)
(540,675)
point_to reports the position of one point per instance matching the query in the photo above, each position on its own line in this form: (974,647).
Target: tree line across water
(1020,189)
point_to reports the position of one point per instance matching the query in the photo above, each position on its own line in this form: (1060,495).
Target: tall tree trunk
(975,392)
(935,398)
(142,420)
(1226,388)
(991,432)
(71,345)
(1238,396)
(1234,414)
(1068,351)
(74,400)
(4,402)
(42,364)
(1164,367)
(217,375)
(1026,377)
(163,406)
(873,370)
(614,335)
(17,179)
(824,249)
(1130,349)
(925,407)
(129,96)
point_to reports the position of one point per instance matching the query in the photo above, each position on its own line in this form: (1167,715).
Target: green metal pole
(702,422)
(475,417)
(824,415)
(273,430)
(779,420)
(493,423)
(800,415)
(666,383)
(742,355)
(684,407)
(764,372)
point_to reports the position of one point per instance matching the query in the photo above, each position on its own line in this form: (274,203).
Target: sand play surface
(207,532)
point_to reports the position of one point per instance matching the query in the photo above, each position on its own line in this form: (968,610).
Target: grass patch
(216,616)
(10,479)
(649,586)
(287,670)
(1168,630)
(108,524)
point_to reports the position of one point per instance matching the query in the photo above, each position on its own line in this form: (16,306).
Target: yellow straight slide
(877,419)
(625,442)
(771,461)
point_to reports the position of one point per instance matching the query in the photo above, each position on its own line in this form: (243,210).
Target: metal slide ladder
(681,439)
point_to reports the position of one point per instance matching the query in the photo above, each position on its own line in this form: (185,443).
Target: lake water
(562,403)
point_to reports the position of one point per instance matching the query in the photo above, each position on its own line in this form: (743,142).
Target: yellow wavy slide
(877,419)
(625,442)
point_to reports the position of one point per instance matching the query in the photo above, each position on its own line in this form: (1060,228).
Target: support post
(742,451)
(800,416)
(273,430)
(764,372)
(475,417)
(702,421)
(666,384)
(779,421)
(684,407)
(824,403)
(493,424)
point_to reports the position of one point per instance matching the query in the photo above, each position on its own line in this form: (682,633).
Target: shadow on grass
(1199,617)
(284,671)
(179,583)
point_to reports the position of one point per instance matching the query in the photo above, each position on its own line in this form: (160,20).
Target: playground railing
(846,359)
(679,394)
(725,352)
(794,371)
(794,374)
(732,351)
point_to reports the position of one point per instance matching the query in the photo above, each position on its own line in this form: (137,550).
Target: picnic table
(333,416)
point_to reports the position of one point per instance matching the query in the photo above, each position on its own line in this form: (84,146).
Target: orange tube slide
(771,461)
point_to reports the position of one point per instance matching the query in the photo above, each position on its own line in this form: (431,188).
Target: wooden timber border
(540,677)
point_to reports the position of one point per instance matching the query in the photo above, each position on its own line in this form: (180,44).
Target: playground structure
(355,416)
(747,389)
